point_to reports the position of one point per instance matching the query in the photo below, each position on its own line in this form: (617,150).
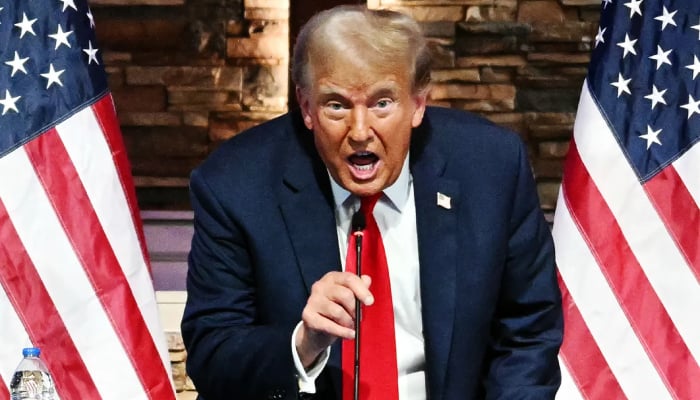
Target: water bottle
(31,380)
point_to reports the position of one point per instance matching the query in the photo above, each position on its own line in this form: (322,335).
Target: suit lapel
(436,222)
(307,207)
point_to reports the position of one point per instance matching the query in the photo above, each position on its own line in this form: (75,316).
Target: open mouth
(363,162)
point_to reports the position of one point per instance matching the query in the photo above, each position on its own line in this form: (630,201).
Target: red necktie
(379,373)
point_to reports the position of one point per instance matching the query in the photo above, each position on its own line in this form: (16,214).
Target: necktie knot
(367,203)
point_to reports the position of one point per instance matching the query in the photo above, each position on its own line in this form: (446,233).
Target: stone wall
(187,74)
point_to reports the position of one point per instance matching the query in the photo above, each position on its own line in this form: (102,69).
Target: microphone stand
(358,225)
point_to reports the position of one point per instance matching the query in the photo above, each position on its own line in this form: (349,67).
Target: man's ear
(420,99)
(304,105)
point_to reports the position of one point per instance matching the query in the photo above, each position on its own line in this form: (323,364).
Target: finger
(323,323)
(333,301)
(360,288)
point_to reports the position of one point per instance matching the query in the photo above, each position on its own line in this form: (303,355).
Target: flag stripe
(109,124)
(54,167)
(568,389)
(648,317)
(90,153)
(663,264)
(13,336)
(602,314)
(687,168)
(676,207)
(26,292)
(592,368)
(57,264)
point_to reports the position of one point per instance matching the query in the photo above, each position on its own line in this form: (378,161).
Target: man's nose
(360,127)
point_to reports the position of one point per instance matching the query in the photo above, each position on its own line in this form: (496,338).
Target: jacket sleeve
(528,326)
(230,354)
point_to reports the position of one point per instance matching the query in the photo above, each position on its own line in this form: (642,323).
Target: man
(472,285)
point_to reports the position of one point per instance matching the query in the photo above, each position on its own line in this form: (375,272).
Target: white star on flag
(8,103)
(17,64)
(656,96)
(53,76)
(666,18)
(628,46)
(68,3)
(60,37)
(26,25)
(622,85)
(92,53)
(599,37)
(692,106)
(697,28)
(661,57)
(91,18)
(695,67)
(651,136)
(634,5)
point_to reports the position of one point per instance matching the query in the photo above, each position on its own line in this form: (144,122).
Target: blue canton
(50,66)
(644,74)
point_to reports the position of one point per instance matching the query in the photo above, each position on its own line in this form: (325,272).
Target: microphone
(358,225)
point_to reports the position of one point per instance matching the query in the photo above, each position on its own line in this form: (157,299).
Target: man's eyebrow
(386,91)
(329,92)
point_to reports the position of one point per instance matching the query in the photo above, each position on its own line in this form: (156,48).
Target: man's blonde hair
(376,37)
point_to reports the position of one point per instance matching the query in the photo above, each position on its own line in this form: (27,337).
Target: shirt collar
(397,193)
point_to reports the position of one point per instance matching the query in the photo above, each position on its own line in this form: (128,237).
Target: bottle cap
(31,352)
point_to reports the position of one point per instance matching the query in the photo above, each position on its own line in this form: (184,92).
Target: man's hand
(330,313)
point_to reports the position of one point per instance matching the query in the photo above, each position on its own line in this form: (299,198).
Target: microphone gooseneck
(358,225)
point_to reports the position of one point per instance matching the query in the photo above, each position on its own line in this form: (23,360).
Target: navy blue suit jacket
(265,232)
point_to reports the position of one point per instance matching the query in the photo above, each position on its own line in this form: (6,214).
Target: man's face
(362,120)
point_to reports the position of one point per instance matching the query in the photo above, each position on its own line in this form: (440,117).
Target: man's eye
(335,106)
(383,103)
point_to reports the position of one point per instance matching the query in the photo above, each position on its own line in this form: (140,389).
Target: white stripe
(688,167)
(568,389)
(65,280)
(600,310)
(13,337)
(662,262)
(92,158)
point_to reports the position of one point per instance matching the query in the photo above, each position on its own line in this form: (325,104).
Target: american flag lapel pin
(444,201)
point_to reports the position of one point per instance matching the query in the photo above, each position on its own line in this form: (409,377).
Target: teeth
(367,167)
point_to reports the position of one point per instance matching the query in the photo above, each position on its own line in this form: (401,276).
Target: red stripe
(4,390)
(107,118)
(679,212)
(582,356)
(71,202)
(626,278)
(39,315)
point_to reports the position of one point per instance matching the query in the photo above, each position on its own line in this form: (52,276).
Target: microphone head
(358,221)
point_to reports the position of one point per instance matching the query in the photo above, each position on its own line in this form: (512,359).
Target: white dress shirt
(395,214)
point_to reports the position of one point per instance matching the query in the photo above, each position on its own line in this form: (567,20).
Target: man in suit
(476,306)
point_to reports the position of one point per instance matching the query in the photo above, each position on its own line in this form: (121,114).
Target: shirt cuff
(307,378)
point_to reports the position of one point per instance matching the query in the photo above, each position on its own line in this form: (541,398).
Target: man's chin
(364,188)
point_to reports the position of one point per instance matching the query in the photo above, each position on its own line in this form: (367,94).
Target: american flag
(73,268)
(627,224)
